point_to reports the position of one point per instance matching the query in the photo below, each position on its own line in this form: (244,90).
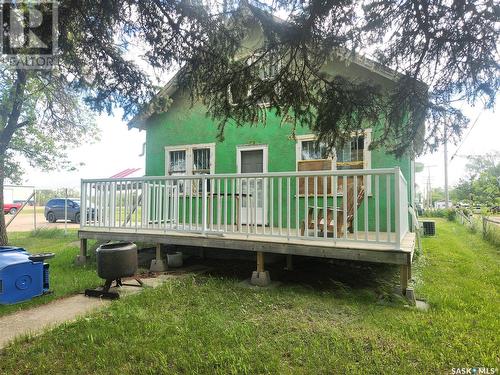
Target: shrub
(448,213)
(451,214)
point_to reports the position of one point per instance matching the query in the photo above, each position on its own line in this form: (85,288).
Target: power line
(470,130)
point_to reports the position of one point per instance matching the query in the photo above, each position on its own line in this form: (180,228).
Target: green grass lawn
(345,321)
(65,277)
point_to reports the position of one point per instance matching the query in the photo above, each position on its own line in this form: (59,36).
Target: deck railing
(369,205)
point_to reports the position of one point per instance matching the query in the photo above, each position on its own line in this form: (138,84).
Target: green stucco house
(183,141)
(261,190)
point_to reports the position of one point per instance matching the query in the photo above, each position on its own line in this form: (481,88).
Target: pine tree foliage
(444,52)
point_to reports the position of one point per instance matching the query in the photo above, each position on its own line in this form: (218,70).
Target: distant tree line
(481,184)
(44,195)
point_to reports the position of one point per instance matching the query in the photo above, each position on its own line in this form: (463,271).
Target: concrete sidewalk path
(41,318)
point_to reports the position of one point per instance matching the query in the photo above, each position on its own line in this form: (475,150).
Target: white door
(253,159)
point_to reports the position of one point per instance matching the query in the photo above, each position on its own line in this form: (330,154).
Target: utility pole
(428,186)
(446,192)
(429,189)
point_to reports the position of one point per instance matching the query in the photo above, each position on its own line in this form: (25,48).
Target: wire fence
(24,207)
(488,227)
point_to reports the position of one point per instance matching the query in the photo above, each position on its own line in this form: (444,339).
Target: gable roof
(344,55)
(347,57)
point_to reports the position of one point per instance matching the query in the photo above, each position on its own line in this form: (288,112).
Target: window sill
(370,195)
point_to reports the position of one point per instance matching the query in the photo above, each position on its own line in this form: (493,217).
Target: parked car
(29,203)
(54,210)
(11,208)
(476,209)
(495,209)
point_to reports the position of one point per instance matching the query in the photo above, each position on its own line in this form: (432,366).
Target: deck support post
(260,277)
(81,259)
(158,264)
(289,262)
(405,275)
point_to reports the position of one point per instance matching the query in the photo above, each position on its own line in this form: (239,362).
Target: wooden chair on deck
(311,220)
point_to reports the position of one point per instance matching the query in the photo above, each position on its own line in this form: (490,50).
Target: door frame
(265,159)
(265,152)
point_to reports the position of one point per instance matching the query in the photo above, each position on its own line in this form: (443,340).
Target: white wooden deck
(227,211)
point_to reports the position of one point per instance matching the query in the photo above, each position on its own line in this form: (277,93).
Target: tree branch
(16,98)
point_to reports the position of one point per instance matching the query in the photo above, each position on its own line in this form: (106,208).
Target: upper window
(268,67)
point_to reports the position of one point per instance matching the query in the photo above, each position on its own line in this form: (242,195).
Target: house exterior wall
(186,125)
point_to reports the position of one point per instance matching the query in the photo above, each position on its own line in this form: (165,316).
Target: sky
(120,148)
(117,150)
(484,137)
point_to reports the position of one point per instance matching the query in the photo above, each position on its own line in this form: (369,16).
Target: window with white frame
(177,162)
(190,160)
(354,155)
(269,66)
(311,150)
(201,161)
(313,156)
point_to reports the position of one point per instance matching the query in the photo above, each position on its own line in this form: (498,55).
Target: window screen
(201,161)
(311,150)
(177,162)
(352,155)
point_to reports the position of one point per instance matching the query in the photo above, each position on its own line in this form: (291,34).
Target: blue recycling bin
(22,275)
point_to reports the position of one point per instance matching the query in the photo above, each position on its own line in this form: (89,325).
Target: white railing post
(204,203)
(144,204)
(113,204)
(161,201)
(397,207)
(403,195)
(83,203)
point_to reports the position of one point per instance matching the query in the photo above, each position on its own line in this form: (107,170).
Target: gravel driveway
(24,221)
